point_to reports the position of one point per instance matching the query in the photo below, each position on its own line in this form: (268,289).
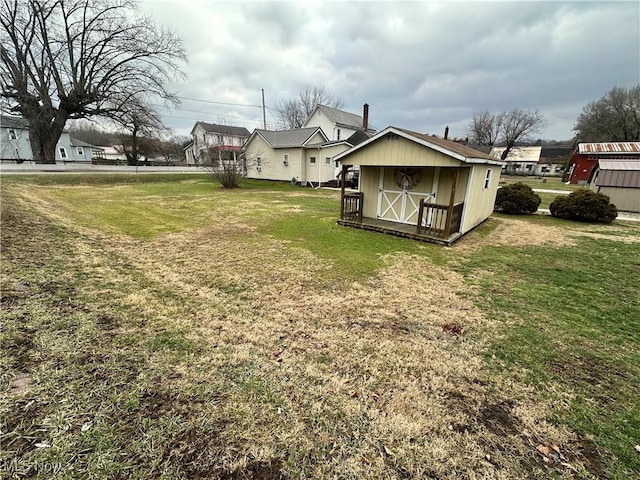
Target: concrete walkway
(30,168)
(625,216)
(557,192)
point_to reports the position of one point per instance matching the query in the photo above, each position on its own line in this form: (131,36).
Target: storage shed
(418,186)
(620,180)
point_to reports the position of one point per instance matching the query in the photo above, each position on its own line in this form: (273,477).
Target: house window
(312,160)
(63,152)
(392,136)
(529,167)
(80,151)
(487,179)
(12,135)
(285,159)
(338,135)
(259,163)
(327,160)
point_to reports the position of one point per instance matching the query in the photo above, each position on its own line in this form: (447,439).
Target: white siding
(479,201)
(273,166)
(319,119)
(15,149)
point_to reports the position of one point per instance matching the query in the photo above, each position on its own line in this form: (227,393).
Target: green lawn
(164,327)
(549,183)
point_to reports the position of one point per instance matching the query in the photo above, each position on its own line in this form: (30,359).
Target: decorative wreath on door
(406,178)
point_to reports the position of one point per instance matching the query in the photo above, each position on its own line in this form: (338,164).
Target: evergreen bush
(584,206)
(516,198)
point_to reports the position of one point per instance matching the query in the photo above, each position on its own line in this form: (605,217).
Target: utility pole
(264,114)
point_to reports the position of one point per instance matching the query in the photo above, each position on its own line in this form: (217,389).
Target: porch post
(343,176)
(454,182)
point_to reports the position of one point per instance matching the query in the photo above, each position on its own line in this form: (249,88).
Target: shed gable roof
(446,147)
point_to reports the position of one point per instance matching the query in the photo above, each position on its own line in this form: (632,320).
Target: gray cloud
(420,65)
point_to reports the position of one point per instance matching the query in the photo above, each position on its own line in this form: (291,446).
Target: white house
(520,161)
(204,136)
(338,124)
(302,155)
(15,145)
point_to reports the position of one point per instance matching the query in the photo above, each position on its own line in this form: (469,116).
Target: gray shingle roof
(225,129)
(79,143)
(13,122)
(288,138)
(340,117)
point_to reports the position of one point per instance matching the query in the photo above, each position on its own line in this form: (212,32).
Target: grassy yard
(547,183)
(163,327)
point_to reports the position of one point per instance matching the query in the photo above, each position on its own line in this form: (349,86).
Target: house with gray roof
(15,146)
(302,155)
(205,137)
(338,124)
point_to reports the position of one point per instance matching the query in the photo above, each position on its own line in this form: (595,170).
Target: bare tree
(141,124)
(505,128)
(91,133)
(613,117)
(485,128)
(293,112)
(518,126)
(63,60)
(227,166)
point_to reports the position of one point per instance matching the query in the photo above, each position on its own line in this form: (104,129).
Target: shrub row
(582,205)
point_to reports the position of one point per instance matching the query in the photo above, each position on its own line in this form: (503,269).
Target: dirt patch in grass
(520,232)
(515,232)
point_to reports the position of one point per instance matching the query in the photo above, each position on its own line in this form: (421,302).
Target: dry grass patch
(222,351)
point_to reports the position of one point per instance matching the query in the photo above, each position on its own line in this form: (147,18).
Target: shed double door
(398,204)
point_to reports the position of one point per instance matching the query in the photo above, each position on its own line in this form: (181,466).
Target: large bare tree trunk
(44,134)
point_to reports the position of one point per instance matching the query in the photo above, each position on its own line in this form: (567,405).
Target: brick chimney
(365,116)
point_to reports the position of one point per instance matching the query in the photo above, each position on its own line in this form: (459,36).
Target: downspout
(319,170)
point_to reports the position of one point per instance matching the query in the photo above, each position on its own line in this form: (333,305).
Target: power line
(220,103)
(223,116)
(225,103)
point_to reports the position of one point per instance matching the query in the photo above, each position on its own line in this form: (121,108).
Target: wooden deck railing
(436,221)
(351,208)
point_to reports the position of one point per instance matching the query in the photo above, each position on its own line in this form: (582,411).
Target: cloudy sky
(419,65)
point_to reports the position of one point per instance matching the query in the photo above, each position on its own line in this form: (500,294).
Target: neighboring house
(15,145)
(553,160)
(585,158)
(205,136)
(14,139)
(301,155)
(81,151)
(419,186)
(520,161)
(620,180)
(338,124)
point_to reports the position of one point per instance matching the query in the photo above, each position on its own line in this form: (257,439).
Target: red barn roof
(608,148)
